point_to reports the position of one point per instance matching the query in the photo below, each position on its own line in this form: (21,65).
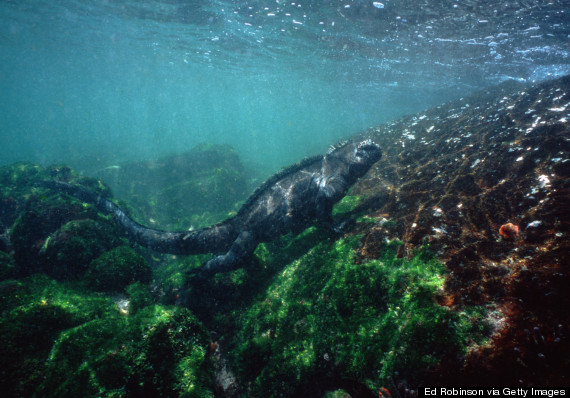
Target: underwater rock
(36,223)
(192,189)
(326,322)
(29,220)
(34,311)
(475,163)
(63,341)
(67,253)
(61,239)
(117,268)
(158,352)
(16,181)
(7,266)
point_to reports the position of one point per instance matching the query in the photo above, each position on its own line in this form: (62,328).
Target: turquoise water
(96,83)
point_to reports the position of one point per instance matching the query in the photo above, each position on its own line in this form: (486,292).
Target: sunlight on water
(101,83)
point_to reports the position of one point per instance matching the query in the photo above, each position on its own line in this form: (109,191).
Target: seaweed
(325,317)
(59,340)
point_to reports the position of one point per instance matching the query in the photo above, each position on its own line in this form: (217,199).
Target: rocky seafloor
(452,272)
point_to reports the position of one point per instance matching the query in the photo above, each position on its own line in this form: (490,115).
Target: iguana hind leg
(240,250)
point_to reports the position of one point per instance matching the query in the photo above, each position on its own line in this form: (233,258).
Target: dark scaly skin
(287,202)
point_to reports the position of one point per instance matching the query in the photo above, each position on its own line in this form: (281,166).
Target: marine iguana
(287,202)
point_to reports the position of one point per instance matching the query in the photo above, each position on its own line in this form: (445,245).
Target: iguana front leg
(240,250)
(330,192)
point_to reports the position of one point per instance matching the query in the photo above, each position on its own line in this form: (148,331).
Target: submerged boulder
(328,322)
(7,266)
(48,231)
(459,173)
(192,189)
(62,341)
(67,253)
(116,269)
(60,237)
(159,351)
(16,181)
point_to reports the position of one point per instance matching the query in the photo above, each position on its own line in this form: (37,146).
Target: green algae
(7,266)
(346,205)
(59,235)
(157,352)
(68,252)
(34,311)
(17,178)
(188,190)
(117,268)
(140,296)
(325,315)
(59,340)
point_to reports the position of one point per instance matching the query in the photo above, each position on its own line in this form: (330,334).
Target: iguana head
(356,157)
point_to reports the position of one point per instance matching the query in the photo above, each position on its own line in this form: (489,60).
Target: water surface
(96,83)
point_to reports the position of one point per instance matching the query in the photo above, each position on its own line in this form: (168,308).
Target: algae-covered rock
(16,181)
(327,321)
(34,312)
(61,341)
(193,189)
(158,352)
(18,184)
(67,253)
(57,234)
(117,268)
(7,266)
(36,223)
(140,296)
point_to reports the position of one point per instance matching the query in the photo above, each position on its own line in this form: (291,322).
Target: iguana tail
(215,239)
